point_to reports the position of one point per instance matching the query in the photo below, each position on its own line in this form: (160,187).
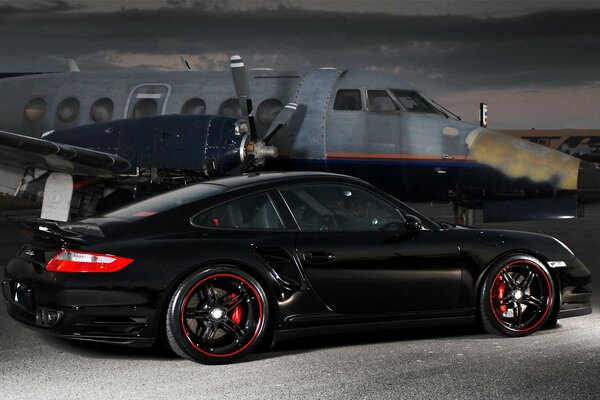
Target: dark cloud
(48,6)
(53,6)
(545,49)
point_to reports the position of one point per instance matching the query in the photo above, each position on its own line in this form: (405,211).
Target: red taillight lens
(81,261)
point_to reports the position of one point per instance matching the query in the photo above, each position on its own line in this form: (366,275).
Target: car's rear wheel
(517,296)
(217,315)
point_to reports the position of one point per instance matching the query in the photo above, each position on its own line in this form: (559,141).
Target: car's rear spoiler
(69,231)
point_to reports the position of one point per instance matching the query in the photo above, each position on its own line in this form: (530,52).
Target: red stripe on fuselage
(412,157)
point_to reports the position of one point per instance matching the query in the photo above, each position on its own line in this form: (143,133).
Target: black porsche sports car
(217,267)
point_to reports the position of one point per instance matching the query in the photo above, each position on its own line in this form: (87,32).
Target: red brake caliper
(501,289)
(236,316)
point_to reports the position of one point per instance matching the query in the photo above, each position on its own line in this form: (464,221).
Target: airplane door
(147,100)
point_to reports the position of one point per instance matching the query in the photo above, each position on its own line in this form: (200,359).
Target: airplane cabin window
(413,102)
(348,100)
(268,110)
(380,101)
(68,109)
(35,109)
(194,106)
(231,108)
(102,110)
(145,108)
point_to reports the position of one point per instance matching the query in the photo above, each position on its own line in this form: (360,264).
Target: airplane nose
(518,159)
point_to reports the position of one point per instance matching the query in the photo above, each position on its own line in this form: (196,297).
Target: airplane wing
(19,151)
(23,159)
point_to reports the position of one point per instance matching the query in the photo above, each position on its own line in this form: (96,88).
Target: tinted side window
(348,100)
(340,208)
(380,101)
(253,212)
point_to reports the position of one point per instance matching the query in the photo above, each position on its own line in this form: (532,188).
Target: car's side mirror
(412,223)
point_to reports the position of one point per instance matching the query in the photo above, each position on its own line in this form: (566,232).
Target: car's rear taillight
(81,261)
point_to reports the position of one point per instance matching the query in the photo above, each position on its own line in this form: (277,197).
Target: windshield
(165,201)
(414,102)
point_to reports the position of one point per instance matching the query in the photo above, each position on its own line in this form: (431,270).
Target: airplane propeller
(257,148)
(242,88)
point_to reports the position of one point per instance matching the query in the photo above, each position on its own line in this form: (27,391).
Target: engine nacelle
(195,144)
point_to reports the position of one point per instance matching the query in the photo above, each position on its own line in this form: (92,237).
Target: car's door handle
(318,257)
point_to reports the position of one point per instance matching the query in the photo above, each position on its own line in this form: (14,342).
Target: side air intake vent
(282,263)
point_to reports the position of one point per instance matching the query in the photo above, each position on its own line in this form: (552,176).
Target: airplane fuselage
(360,123)
(355,138)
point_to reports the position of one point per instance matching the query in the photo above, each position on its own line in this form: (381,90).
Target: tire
(517,296)
(227,312)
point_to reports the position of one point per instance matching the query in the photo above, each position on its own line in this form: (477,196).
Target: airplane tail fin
(73,67)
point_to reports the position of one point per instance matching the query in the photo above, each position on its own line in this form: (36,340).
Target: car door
(360,258)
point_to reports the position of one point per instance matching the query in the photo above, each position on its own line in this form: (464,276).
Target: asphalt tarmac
(433,363)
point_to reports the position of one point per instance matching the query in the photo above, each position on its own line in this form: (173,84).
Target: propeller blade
(242,89)
(282,118)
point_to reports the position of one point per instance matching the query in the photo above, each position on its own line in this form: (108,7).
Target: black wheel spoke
(501,302)
(196,313)
(234,328)
(209,333)
(234,302)
(532,301)
(510,282)
(527,281)
(211,294)
(518,315)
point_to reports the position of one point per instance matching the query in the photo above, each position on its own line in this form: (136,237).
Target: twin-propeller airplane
(85,141)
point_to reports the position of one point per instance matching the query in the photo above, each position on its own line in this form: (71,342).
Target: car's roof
(259,178)
(208,189)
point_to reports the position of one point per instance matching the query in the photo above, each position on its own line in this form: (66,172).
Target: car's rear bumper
(102,314)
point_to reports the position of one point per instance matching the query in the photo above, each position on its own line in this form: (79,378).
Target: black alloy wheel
(517,296)
(217,316)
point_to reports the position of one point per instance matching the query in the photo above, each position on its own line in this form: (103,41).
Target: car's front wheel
(517,296)
(217,315)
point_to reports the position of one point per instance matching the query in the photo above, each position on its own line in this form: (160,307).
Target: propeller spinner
(256,148)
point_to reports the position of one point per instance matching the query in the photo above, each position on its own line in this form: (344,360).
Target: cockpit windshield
(414,102)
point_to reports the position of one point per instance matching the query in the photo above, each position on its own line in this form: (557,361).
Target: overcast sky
(536,63)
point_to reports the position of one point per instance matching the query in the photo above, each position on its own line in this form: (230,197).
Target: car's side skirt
(286,334)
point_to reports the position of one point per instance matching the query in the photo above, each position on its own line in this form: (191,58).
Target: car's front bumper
(575,289)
